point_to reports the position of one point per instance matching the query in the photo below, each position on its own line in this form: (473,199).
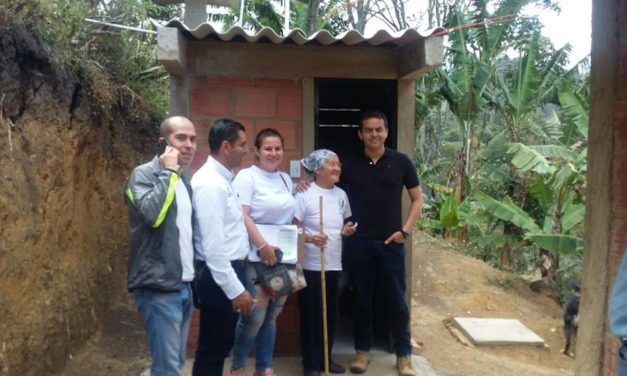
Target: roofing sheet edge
(297,36)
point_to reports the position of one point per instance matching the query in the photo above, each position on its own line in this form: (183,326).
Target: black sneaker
(336,368)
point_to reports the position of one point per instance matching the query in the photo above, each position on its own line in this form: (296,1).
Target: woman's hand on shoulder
(302,185)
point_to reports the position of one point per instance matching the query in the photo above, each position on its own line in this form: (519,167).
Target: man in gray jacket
(161,267)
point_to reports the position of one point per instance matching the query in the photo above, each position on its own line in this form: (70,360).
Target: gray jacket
(155,258)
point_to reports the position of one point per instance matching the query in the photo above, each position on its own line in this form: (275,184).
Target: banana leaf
(574,110)
(495,240)
(431,223)
(564,177)
(527,159)
(560,243)
(507,211)
(555,152)
(448,212)
(573,215)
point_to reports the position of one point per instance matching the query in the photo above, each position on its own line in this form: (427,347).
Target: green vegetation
(510,123)
(104,56)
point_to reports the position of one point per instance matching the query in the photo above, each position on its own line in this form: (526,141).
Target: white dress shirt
(221,235)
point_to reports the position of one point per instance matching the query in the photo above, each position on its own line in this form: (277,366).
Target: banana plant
(469,73)
(452,215)
(535,81)
(506,210)
(557,171)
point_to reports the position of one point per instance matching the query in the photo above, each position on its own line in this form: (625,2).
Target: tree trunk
(312,16)
(507,254)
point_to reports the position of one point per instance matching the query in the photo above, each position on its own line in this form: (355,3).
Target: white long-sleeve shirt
(221,235)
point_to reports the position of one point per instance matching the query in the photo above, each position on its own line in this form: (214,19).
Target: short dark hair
(372,114)
(223,130)
(268,132)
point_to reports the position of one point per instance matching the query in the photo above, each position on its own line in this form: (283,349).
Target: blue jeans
(621,361)
(166,319)
(367,261)
(258,329)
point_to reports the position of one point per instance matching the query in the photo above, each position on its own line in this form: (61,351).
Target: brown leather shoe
(360,362)
(404,366)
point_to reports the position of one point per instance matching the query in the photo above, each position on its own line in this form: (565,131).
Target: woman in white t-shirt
(326,167)
(266,196)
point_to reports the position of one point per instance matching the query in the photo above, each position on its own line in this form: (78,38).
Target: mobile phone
(355,224)
(277,253)
(161,146)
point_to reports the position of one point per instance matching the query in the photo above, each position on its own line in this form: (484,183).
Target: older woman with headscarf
(326,167)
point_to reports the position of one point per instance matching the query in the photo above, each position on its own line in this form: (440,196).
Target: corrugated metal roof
(296,36)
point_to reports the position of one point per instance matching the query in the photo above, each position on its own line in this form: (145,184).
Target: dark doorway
(339,104)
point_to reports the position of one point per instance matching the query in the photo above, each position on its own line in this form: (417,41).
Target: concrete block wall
(257,103)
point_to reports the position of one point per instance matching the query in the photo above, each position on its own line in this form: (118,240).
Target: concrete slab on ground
(482,331)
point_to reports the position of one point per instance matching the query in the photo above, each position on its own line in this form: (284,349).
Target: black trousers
(217,323)
(310,305)
(367,261)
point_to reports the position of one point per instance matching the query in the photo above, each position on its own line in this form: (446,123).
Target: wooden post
(323,287)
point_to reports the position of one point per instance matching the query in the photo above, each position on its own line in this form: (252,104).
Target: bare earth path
(446,284)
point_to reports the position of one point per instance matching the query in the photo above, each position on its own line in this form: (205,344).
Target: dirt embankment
(63,161)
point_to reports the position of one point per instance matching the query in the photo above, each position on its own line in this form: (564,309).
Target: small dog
(571,320)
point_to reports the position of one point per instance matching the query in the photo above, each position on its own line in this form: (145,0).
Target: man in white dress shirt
(222,243)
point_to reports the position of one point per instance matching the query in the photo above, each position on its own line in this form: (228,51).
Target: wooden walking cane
(323,286)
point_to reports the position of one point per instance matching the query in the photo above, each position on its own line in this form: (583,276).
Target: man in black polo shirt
(374,183)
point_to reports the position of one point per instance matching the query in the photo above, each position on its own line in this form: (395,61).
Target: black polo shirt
(375,191)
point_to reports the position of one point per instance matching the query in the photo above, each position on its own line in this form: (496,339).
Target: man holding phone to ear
(161,261)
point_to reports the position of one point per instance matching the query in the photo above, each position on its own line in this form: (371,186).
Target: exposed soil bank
(63,235)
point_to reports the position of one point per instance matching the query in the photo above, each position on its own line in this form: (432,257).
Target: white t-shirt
(335,209)
(184,223)
(269,196)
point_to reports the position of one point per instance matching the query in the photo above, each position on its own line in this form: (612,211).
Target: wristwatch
(405,233)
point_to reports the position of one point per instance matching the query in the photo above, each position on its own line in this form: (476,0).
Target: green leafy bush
(103,55)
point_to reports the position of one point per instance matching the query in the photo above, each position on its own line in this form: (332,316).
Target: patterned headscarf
(316,159)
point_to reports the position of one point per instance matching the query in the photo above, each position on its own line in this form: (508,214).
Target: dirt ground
(446,284)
